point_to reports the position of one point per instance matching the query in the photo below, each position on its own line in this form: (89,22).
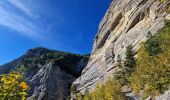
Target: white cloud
(17,22)
(20,6)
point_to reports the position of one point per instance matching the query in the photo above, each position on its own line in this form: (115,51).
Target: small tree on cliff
(74,90)
(124,71)
(120,75)
(119,62)
(129,62)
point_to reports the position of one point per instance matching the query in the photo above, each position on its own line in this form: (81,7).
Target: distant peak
(39,48)
(37,51)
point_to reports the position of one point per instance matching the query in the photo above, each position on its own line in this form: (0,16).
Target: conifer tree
(129,62)
(120,74)
(74,90)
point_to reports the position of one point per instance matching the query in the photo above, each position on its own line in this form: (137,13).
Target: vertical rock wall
(126,22)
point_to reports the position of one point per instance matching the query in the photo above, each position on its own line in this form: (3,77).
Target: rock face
(49,73)
(165,96)
(126,22)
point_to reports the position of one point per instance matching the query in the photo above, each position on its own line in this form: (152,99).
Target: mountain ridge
(44,67)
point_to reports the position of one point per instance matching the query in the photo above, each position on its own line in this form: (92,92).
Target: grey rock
(165,96)
(49,73)
(50,83)
(125,22)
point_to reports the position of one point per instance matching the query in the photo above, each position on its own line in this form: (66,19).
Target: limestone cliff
(126,22)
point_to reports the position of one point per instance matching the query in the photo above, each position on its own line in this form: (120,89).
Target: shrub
(12,87)
(153,46)
(111,90)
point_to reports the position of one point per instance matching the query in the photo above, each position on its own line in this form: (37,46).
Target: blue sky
(67,25)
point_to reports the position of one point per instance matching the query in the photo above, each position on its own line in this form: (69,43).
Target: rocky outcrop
(126,22)
(49,73)
(165,96)
(50,83)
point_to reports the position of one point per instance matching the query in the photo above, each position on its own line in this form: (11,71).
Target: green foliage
(74,89)
(12,87)
(120,74)
(153,46)
(119,62)
(152,72)
(87,95)
(125,71)
(129,62)
(81,97)
(111,90)
(20,69)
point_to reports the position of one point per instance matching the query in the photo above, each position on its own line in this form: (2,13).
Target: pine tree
(119,62)
(129,62)
(120,75)
(74,90)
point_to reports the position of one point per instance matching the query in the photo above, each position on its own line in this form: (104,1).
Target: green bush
(111,90)
(152,72)
(153,45)
(12,87)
